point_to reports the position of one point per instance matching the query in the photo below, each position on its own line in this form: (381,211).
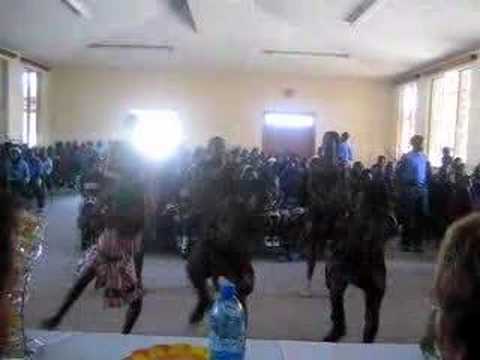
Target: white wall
(91,104)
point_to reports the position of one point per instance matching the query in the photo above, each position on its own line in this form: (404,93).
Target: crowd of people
(30,173)
(440,196)
(348,208)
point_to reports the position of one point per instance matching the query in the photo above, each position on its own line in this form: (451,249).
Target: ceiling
(231,34)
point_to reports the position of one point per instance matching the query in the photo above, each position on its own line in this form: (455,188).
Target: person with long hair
(456,292)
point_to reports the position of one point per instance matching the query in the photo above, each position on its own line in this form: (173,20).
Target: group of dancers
(231,205)
(350,213)
(357,236)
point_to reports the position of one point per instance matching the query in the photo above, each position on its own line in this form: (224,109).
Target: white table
(93,346)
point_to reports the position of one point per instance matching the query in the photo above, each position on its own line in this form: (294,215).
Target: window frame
(441,77)
(27,107)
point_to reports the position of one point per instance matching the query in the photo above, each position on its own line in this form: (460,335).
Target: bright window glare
(289,120)
(157,133)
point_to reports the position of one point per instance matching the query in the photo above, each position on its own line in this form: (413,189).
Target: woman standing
(116,261)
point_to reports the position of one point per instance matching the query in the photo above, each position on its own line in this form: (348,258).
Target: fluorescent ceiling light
(156,134)
(78,7)
(289,120)
(127,46)
(364,11)
(307,53)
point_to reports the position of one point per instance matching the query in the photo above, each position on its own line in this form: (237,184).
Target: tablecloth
(98,346)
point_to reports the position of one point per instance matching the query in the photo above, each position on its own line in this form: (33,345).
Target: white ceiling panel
(231,34)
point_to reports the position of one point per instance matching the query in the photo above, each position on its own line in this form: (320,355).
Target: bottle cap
(228,290)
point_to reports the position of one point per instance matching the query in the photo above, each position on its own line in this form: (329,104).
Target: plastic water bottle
(227,325)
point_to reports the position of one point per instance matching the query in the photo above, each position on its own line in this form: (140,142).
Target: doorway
(287,133)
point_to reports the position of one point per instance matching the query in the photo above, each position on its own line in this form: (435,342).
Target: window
(30,107)
(156,134)
(408,110)
(449,115)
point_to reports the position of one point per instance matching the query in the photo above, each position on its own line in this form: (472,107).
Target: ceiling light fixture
(126,46)
(363,11)
(8,54)
(78,7)
(341,55)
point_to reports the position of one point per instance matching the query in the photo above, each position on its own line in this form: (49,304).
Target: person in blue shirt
(414,176)
(18,172)
(37,186)
(344,151)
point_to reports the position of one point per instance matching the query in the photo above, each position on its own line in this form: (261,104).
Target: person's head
(476,173)
(457,162)
(381,161)
(42,153)
(457,290)
(446,158)
(357,168)
(390,167)
(345,136)
(329,147)
(15,153)
(366,176)
(198,155)
(315,163)
(216,148)
(417,143)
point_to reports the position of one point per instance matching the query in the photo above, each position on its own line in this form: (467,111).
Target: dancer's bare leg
(135,308)
(133,313)
(72,296)
(198,272)
(312,253)
(337,285)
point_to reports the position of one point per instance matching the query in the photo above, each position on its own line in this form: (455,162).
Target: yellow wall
(91,104)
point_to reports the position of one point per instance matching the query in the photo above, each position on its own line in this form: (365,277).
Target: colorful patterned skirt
(113,259)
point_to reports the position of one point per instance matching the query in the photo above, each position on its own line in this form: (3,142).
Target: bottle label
(223,355)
